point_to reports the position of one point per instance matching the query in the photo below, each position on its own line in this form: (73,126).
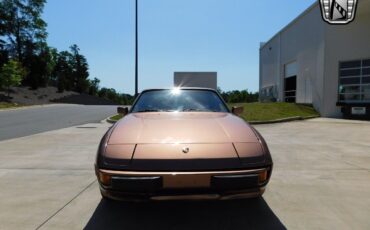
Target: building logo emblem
(338,11)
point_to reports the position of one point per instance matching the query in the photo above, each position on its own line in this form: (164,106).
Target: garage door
(290,82)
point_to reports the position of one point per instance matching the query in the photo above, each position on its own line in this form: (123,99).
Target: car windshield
(179,100)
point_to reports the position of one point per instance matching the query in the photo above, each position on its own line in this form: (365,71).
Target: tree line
(27,60)
(236,96)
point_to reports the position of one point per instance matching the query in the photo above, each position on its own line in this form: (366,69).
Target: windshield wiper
(149,110)
(196,110)
(200,110)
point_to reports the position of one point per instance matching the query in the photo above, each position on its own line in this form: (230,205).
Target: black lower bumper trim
(235,181)
(138,196)
(133,184)
(155,184)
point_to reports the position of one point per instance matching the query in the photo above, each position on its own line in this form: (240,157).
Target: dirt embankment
(48,95)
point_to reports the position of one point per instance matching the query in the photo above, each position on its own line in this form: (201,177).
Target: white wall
(196,79)
(301,41)
(269,63)
(317,47)
(344,43)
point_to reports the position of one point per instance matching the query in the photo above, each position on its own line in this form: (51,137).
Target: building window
(354,81)
(267,94)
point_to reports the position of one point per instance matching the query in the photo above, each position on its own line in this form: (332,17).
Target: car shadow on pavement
(235,214)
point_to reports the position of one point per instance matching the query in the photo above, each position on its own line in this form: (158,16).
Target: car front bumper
(131,185)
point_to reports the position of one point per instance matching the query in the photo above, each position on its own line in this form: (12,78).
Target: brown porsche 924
(182,143)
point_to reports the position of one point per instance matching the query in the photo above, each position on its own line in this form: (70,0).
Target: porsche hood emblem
(185,150)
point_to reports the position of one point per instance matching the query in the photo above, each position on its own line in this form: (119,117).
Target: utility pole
(136,49)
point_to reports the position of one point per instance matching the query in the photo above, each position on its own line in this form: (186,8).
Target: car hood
(181,127)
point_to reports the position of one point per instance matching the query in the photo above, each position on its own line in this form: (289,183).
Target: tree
(80,70)
(11,74)
(63,70)
(71,71)
(237,96)
(4,54)
(52,58)
(94,87)
(21,23)
(40,65)
(23,33)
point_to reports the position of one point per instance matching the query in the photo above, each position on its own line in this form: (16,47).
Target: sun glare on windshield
(175,91)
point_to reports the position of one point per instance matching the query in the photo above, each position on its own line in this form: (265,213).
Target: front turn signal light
(262,176)
(104,178)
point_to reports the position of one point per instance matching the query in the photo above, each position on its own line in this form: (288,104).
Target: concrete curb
(296,118)
(22,107)
(110,120)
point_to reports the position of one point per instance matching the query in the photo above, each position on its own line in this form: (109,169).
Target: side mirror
(122,110)
(237,110)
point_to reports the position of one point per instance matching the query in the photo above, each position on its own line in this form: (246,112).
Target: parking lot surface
(25,121)
(321,180)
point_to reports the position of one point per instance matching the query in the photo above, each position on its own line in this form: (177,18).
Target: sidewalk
(42,173)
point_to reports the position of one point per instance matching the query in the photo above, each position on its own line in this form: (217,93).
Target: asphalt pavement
(31,120)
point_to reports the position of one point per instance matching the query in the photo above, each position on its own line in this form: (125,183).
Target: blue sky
(174,35)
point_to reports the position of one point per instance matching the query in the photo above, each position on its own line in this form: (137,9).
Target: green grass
(7,105)
(273,111)
(267,111)
(116,117)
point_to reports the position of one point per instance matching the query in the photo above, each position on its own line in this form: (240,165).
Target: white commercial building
(195,79)
(311,61)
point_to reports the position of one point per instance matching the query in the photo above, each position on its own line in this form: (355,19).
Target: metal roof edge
(308,10)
